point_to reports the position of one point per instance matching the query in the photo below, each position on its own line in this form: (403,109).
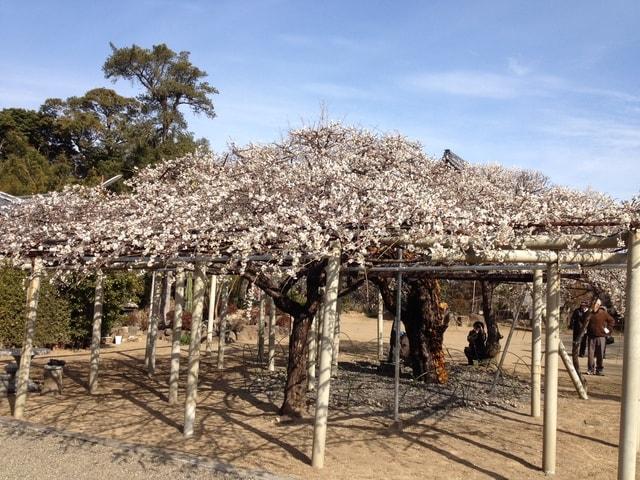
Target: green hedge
(119,288)
(52,321)
(65,309)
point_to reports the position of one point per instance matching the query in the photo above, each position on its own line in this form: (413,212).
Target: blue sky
(547,85)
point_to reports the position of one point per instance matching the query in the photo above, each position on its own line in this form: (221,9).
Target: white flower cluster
(292,199)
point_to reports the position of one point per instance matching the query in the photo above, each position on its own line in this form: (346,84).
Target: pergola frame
(538,252)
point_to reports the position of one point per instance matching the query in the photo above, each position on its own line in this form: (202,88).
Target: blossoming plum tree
(291,202)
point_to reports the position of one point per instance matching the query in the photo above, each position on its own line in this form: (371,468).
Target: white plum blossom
(293,199)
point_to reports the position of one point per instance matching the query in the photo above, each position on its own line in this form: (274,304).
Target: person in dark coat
(477,349)
(600,325)
(579,323)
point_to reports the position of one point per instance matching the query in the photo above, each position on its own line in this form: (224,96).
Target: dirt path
(237,419)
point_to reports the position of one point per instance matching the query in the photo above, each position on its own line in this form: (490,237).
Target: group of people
(592,326)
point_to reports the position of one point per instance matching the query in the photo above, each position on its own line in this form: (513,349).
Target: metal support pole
(473,297)
(630,411)
(194,349)
(212,312)
(96,334)
(396,349)
(176,333)
(536,341)
(312,353)
(223,323)
(33,296)
(380,327)
(324,374)
(261,328)
(271,365)
(551,370)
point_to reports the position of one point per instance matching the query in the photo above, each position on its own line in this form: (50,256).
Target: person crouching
(477,349)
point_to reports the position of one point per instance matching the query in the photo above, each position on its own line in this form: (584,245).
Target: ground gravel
(363,387)
(34,452)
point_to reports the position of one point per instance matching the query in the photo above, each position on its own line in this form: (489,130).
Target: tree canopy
(96,135)
(292,199)
(169,80)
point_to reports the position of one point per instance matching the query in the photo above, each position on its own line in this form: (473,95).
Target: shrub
(119,288)
(53,317)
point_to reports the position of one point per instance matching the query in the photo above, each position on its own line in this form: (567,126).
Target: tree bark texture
(294,403)
(493,332)
(424,322)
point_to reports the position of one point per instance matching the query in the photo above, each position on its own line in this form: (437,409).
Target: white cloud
(499,86)
(615,134)
(467,83)
(517,67)
(336,91)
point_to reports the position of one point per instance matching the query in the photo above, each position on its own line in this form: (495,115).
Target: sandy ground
(238,427)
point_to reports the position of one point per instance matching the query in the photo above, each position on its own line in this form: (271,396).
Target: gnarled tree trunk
(493,332)
(295,390)
(424,323)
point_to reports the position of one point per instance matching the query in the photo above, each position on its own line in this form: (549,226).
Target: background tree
(29,153)
(170,81)
(88,138)
(99,129)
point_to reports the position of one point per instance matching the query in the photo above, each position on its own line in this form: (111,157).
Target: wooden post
(551,370)
(396,347)
(324,374)
(96,334)
(271,366)
(165,302)
(223,323)
(536,341)
(312,352)
(194,349)
(630,409)
(213,286)
(380,328)
(33,296)
(336,342)
(175,336)
(575,376)
(261,329)
(153,329)
(189,293)
(152,296)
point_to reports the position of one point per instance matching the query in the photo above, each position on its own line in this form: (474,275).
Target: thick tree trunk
(302,313)
(493,332)
(424,323)
(296,387)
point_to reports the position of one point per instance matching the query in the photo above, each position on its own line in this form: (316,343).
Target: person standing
(579,323)
(600,325)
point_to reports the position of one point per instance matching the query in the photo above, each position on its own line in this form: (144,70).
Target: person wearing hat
(599,326)
(579,323)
